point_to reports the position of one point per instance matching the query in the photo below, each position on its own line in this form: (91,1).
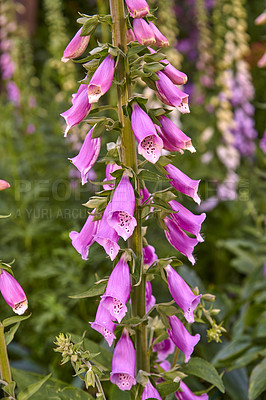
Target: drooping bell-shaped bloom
(169,94)
(76,46)
(80,108)
(101,80)
(160,39)
(124,363)
(182,294)
(143,32)
(150,392)
(118,290)
(181,337)
(103,324)
(121,214)
(13,293)
(109,169)
(137,8)
(176,76)
(85,238)
(186,394)
(87,156)
(150,299)
(182,182)
(187,220)
(149,255)
(164,348)
(173,138)
(4,185)
(179,240)
(150,144)
(107,236)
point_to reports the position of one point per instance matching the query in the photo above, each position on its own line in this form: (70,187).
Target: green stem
(4,362)
(129,158)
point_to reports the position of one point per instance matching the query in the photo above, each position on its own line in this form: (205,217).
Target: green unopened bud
(89,378)
(215,311)
(208,297)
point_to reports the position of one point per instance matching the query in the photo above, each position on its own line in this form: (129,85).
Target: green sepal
(96,290)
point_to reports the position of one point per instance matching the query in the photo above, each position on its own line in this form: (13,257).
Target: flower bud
(137,8)
(143,32)
(13,293)
(76,46)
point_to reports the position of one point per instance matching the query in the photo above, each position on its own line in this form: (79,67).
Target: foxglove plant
(121,210)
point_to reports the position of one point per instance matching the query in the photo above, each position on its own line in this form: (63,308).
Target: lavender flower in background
(13,293)
(187,394)
(103,324)
(76,46)
(181,337)
(101,80)
(85,238)
(124,363)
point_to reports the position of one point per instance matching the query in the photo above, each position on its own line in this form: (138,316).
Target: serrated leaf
(257,382)
(203,369)
(13,320)
(96,290)
(167,388)
(9,335)
(30,390)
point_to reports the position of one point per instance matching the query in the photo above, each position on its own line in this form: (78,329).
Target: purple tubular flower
(87,156)
(163,349)
(13,293)
(76,46)
(150,392)
(83,240)
(4,184)
(179,240)
(150,144)
(103,324)
(80,108)
(177,77)
(182,294)
(173,138)
(149,255)
(107,236)
(137,8)
(130,36)
(124,363)
(187,220)
(186,394)
(150,299)
(182,182)
(118,290)
(145,194)
(143,32)
(181,337)
(169,94)
(160,39)
(121,214)
(109,169)
(101,80)
(165,365)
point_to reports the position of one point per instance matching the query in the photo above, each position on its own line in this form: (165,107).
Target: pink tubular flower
(182,294)
(173,138)
(261,19)
(182,182)
(4,185)
(169,94)
(143,32)
(80,108)
(118,290)
(163,349)
(262,61)
(130,36)
(160,39)
(76,46)
(181,337)
(109,169)
(186,394)
(137,8)
(107,236)
(149,255)
(150,299)
(121,214)
(124,363)
(87,156)
(83,240)
(101,80)
(150,392)
(187,220)
(13,293)
(150,144)
(177,77)
(179,240)
(103,324)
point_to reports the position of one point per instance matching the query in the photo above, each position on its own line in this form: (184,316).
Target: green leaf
(156,57)
(153,67)
(203,369)
(151,176)
(10,388)
(167,388)
(13,320)
(231,351)
(160,338)
(99,129)
(30,390)
(89,26)
(257,382)
(9,335)
(96,290)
